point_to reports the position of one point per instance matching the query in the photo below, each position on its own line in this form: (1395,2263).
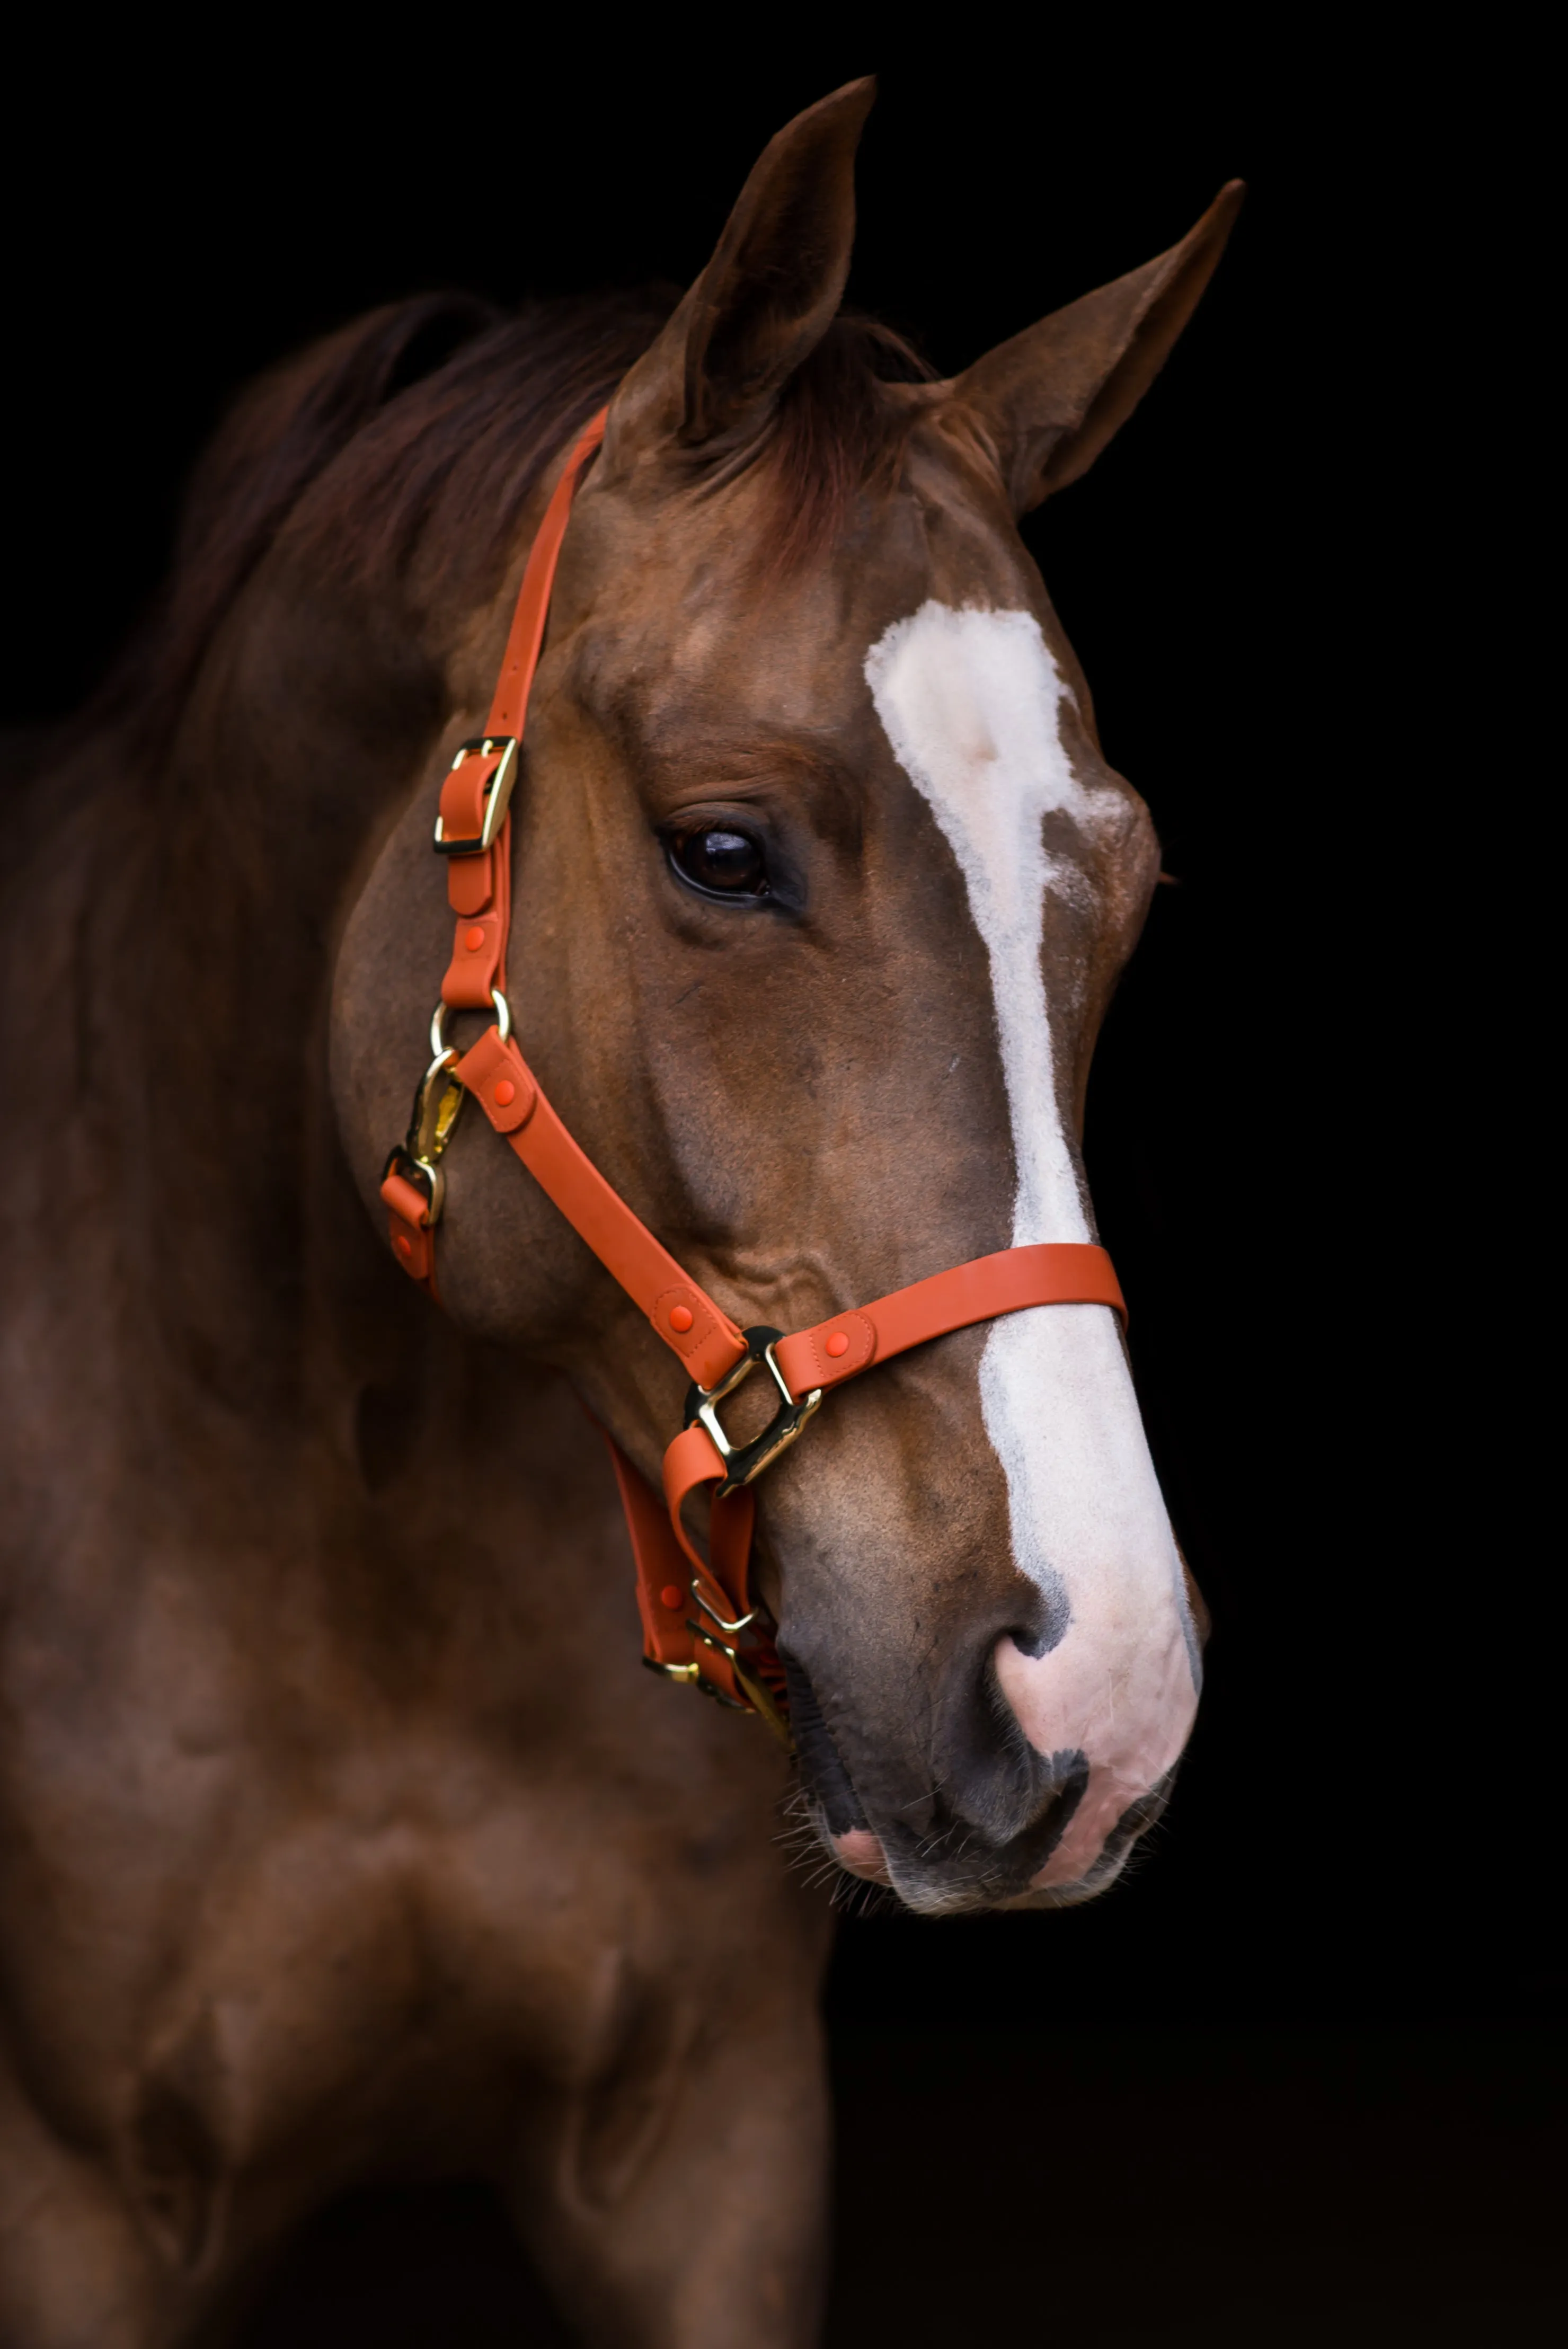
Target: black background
(1289,2077)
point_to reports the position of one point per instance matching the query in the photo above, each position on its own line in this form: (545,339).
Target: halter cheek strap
(700,1620)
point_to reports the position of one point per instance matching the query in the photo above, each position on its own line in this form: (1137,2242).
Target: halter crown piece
(699,1621)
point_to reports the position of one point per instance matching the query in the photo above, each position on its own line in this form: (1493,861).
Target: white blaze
(968,700)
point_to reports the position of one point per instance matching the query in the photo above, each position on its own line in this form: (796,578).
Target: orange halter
(699,1622)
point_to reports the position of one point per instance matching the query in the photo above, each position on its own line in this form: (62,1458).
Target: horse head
(821,887)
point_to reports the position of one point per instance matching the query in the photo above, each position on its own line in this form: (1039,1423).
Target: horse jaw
(969,701)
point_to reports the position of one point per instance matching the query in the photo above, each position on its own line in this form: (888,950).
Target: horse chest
(305,1834)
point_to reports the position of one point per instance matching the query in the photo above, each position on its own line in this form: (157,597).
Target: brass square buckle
(498,793)
(743,1462)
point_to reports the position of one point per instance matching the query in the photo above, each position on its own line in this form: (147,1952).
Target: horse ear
(768,295)
(1049,399)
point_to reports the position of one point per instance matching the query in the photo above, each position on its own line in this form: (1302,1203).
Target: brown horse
(343,1836)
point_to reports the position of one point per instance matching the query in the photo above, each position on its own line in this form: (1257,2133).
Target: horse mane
(428,423)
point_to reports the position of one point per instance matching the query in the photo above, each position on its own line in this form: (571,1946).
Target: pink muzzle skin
(861,1853)
(1127,1706)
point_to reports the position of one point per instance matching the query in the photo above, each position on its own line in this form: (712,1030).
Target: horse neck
(208,884)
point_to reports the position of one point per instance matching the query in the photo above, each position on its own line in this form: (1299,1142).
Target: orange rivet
(505,1093)
(405,1246)
(838,1344)
(680,1318)
(670,1596)
(474,940)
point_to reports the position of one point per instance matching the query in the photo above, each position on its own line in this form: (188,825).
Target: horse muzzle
(997,1833)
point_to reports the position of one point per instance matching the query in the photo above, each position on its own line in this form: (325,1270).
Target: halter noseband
(699,1624)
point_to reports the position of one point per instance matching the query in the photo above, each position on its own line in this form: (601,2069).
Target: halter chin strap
(700,1620)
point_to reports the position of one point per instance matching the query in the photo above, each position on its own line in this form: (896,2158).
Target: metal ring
(402,1160)
(714,1617)
(688,1672)
(436,1176)
(442,1012)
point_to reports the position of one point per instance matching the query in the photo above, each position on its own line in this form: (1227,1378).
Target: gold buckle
(749,1685)
(438,1105)
(689,1674)
(423,1173)
(498,793)
(745,1462)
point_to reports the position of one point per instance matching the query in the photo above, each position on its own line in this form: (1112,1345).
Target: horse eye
(726,863)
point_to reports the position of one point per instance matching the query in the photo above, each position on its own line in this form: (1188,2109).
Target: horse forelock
(834,433)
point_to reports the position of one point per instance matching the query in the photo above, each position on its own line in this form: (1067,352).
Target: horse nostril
(1044,1627)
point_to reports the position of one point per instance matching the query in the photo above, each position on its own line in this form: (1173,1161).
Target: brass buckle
(744,1461)
(423,1173)
(749,1685)
(438,1105)
(497,797)
(760,1701)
